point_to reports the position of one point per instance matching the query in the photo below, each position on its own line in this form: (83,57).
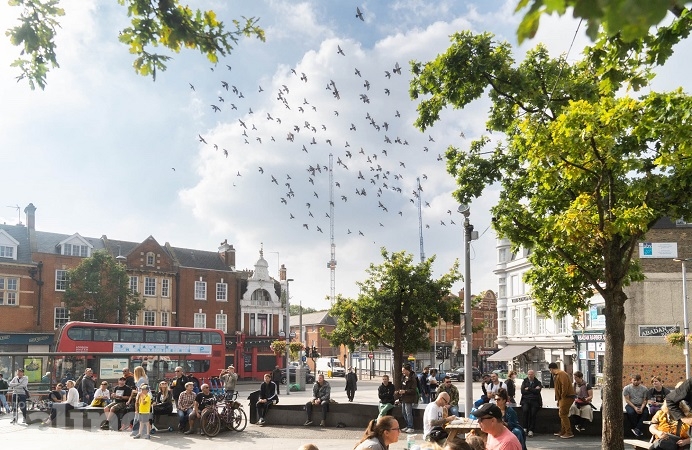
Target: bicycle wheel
(239,419)
(227,416)
(210,422)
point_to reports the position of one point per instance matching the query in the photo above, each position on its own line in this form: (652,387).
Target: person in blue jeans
(636,396)
(3,394)
(407,396)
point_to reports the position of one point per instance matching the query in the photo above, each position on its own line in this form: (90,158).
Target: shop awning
(508,353)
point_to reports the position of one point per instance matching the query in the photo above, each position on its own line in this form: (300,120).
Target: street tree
(100,287)
(630,19)
(164,23)
(295,310)
(396,307)
(584,171)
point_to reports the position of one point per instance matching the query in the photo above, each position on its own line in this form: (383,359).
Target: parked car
(309,376)
(459,373)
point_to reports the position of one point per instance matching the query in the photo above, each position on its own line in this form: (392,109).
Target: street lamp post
(469,235)
(686,325)
(288,341)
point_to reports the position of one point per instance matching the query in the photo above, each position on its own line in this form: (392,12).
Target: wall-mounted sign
(666,250)
(657,330)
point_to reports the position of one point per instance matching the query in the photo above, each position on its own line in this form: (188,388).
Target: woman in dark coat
(351,384)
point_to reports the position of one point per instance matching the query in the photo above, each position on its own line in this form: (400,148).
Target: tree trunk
(398,362)
(611,391)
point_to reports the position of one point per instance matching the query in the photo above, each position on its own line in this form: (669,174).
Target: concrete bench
(636,443)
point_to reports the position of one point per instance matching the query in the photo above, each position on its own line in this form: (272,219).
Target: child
(143,407)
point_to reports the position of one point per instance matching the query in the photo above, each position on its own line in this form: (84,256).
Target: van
(324,365)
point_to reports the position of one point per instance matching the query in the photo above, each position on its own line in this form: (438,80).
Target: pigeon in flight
(397,69)
(359,14)
(191,86)
(340,51)
(357,72)
(201,139)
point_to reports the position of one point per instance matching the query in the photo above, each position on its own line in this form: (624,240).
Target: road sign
(292,334)
(371,356)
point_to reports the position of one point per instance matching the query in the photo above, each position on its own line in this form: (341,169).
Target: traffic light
(314,354)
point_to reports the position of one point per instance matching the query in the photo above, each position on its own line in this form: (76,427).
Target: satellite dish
(464,209)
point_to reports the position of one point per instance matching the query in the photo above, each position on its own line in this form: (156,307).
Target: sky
(240,150)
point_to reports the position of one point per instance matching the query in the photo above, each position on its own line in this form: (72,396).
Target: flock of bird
(379,160)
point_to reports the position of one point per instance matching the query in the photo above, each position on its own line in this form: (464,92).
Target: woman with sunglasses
(509,416)
(379,434)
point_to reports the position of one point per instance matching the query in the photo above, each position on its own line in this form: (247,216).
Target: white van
(324,365)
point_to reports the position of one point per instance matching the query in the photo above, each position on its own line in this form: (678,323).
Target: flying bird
(359,14)
(339,51)
(397,69)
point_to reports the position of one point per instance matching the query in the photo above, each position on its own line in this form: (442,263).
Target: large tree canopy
(584,172)
(396,307)
(99,290)
(631,19)
(163,23)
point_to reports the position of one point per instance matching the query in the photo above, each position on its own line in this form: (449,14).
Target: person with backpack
(494,386)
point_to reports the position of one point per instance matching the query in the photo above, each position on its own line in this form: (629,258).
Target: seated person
(453,393)
(122,394)
(163,403)
(436,417)
(432,384)
(635,398)
(509,416)
(54,397)
(484,397)
(663,424)
(269,395)
(321,396)
(581,409)
(386,394)
(202,400)
(657,395)
(102,395)
(186,402)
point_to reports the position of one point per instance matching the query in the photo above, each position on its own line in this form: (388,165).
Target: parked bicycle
(227,412)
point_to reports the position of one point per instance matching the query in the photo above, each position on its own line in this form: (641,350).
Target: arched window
(260,297)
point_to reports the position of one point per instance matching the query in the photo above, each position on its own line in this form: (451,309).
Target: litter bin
(329,373)
(253,397)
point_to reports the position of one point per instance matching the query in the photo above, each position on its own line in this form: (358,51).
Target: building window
(62,316)
(150,259)
(502,323)
(165,284)
(150,286)
(561,325)
(515,285)
(150,318)
(8,291)
(253,330)
(200,290)
(164,319)
(134,285)
(260,297)
(515,322)
(527,321)
(443,335)
(89,315)
(541,325)
(221,292)
(60,280)
(221,322)
(75,250)
(263,325)
(6,252)
(502,255)
(200,320)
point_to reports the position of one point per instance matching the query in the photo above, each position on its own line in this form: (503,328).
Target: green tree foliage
(584,172)
(294,310)
(164,23)
(102,285)
(631,19)
(396,307)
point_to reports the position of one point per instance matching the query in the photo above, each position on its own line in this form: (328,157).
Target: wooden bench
(637,443)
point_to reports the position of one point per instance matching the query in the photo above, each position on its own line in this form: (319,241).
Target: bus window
(106,334)
(174,337)
(211,337)
(156,336)
(79,333)
(131,335)
(190,337)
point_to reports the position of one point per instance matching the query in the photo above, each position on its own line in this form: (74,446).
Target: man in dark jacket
(351,384)
(276,376)
(531,400)
(407,396)
(682,392)
(386,394)
(321,396)
(178,383)
(269,395)
(88,386)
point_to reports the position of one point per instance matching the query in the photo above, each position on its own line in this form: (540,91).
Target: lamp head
(464,209)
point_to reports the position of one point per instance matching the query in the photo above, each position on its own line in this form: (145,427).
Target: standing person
(321,395)
(406,394)
(143,408)
(269,395)
(88,386)
(178,383)
(432,385)
(511,387)
(379,434)
(162,404)
(202,400)
(564,395)
(20,392)
(453,393)
(3,394)
(531,401)
(129,378)
(582,408)
(351,384)
(385,392)
(229,378)
(425,385)
(635,395)
(141,379)
(499,437)
(436,417)
(656,395)
(276,376)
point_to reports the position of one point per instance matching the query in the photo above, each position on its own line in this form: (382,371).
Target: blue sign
(26,339)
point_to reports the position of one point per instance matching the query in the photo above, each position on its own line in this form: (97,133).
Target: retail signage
(657,330)
(666,250)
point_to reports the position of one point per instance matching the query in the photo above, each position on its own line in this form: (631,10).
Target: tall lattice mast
(332,261)
(420,220)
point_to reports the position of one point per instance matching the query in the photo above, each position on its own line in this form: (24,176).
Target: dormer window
(151,258)
(75,250)
(6,252)
(8,246)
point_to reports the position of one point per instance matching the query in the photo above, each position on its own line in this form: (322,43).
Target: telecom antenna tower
(331,265)
(420,221)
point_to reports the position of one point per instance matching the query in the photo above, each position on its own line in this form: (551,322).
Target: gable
(8,246)
(75,245)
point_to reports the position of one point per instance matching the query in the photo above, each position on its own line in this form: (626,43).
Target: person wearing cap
(3,394)
(351,384)
(20,392)
(229,378)
(489,418)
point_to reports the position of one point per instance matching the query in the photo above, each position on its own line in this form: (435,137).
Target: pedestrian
(531,401)
(87,386)
(20,392)
(564,394)
(511,388)
(351,384)
(3,394)
(143,408)
(379,434)
(276,376)
(229,378)
(406,394)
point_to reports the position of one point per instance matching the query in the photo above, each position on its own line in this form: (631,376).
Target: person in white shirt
(19,385)
(436,416)
(494,386)
(102,395)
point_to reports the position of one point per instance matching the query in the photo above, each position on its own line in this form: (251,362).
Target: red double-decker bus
(109,348)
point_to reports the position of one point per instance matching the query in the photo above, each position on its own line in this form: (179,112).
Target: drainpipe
(39,282)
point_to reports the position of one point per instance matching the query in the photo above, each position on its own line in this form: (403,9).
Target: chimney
(282,273)
(227,254)
(30,212)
